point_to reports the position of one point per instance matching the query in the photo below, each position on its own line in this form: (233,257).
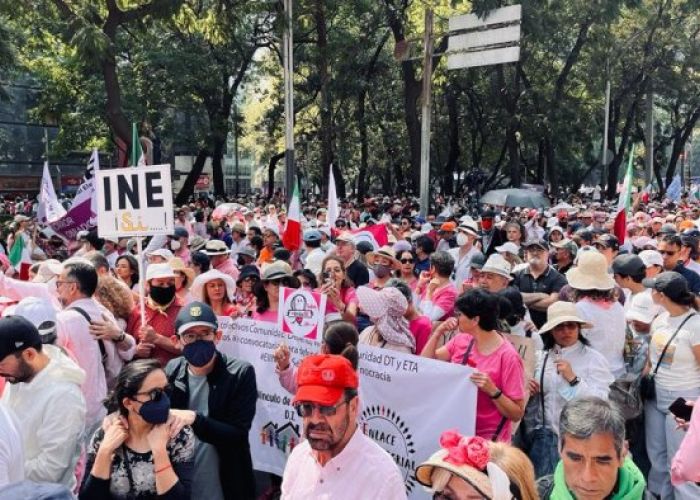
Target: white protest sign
(406,401)
(134,201)
(301,312)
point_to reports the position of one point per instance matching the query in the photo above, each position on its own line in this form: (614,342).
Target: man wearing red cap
(336,460)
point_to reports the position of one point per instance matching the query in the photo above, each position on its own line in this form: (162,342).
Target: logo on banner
(386,428)
(301,312)
(283,438)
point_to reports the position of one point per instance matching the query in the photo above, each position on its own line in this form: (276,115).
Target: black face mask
(241,260)
(163,295)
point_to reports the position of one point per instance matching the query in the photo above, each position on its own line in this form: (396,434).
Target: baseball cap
(16,334)
(509,247)
(477,261)
(670,283)
(567,244)
(535,243)
(322,378)
(162,270)
(608,241)
(642,308)
(161,252)
(651,258)
(41,314)
(312,235)
(448,226)
(346,236)
(628,265)
(195,314)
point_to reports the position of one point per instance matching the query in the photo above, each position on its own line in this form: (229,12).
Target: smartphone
(326,276)
(681,410)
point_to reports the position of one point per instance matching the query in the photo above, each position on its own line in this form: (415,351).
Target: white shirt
(589,366)
(314,260)
(363,470)
(679,369)
(462,270)
(11,451)
(608,333)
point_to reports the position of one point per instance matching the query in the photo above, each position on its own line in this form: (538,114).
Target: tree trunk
(188,187)
(271,173)
(364,144)
(326,131)
(453,134)
(216,166)
(116,119)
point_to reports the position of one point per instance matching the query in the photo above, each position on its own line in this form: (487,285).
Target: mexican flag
(291,238)
(623,202)
(137,157)
(377,235)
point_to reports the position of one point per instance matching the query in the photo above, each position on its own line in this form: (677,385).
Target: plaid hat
(17,334)
(195,314)
(322,378)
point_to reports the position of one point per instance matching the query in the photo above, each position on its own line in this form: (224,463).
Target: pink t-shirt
(421,327)
(268,316)
(444,298)
(347,296)
(505,368)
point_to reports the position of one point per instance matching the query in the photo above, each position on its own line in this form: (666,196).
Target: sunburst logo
(389,431)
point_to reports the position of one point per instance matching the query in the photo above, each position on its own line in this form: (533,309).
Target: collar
(572,348)
(544,273)
(162,309)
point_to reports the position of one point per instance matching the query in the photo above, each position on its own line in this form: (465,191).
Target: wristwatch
(575,381)
(497,394)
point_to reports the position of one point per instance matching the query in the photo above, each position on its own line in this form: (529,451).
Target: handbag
(647,385)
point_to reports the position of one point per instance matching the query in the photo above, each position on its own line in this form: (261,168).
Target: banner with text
(407,401)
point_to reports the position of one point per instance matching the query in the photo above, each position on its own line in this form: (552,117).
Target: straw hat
(179,265)
(496,264)
(591,273)
(562,312)
(388,253)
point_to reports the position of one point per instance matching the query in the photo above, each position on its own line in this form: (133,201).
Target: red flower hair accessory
(461,450)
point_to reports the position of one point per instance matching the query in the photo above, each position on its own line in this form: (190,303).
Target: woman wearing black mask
(134,456)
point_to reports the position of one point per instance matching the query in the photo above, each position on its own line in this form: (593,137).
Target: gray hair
(443,263)
(402,286)
(583,417)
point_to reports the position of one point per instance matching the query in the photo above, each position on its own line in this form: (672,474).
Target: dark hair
(129,382)
(402,287)
(346,282)
(261,299)
(673,239)
(443,263)
(593,294)
(257,243)
(397,273)
(426,244)
(256,230)
(313,243)
(637,278)
(84,274)
(341,338)
(481,303)
(516,308)
(309,275)
(201,260)
(133,265)
(548,339)
(98,260)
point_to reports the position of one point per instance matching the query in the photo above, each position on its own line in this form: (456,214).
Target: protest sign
(301,312)
(82,214)
(406,401)
(134,201)
(526,348)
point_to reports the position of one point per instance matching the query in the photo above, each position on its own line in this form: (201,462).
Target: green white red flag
(624,201)
(291,238)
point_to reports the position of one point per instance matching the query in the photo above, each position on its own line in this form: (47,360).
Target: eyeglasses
(154,394)
(189,338)
(307,409)
(406,261)
(61,282)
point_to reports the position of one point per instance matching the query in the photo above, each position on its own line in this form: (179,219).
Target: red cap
(448,226)
(322,378)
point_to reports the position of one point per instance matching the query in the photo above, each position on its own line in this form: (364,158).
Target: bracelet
(164,468)
(497,394)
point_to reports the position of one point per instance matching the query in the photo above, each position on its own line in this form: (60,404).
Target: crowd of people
(102,398)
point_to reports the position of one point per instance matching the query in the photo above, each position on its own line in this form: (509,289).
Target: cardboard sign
(134,201)
(301,312)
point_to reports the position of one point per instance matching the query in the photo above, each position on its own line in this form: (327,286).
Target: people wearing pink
(505,368)
(347,295)
(442,304)
(268,316)
(686,462)
(420,327)
(228,267)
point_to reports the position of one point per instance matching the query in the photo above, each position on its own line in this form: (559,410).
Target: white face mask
(462,239)
(175,245)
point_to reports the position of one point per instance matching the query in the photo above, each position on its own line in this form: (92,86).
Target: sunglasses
(406,261)
(155,394)
(307,409)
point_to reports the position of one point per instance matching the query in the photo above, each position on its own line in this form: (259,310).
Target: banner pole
(142,277)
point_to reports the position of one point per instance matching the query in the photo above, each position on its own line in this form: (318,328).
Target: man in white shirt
(314,254)
(336,460)
(467,233)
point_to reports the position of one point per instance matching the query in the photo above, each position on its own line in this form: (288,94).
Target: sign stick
(142,279)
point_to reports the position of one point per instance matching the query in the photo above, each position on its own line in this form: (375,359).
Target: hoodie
(51,413)
(630,483)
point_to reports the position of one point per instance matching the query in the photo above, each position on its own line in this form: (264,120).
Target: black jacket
(232,397)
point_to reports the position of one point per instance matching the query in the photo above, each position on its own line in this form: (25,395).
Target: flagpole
(142,275)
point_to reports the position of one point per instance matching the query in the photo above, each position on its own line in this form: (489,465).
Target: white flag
(87,190)
(332,201)
(49,209)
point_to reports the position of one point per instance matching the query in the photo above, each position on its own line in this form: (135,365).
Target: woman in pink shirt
(267,290)
(499,373)
(436,290)
(686,462)
(341,302)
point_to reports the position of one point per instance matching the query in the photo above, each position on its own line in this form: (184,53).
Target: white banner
(49,209)
(407,401)
(134,201)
